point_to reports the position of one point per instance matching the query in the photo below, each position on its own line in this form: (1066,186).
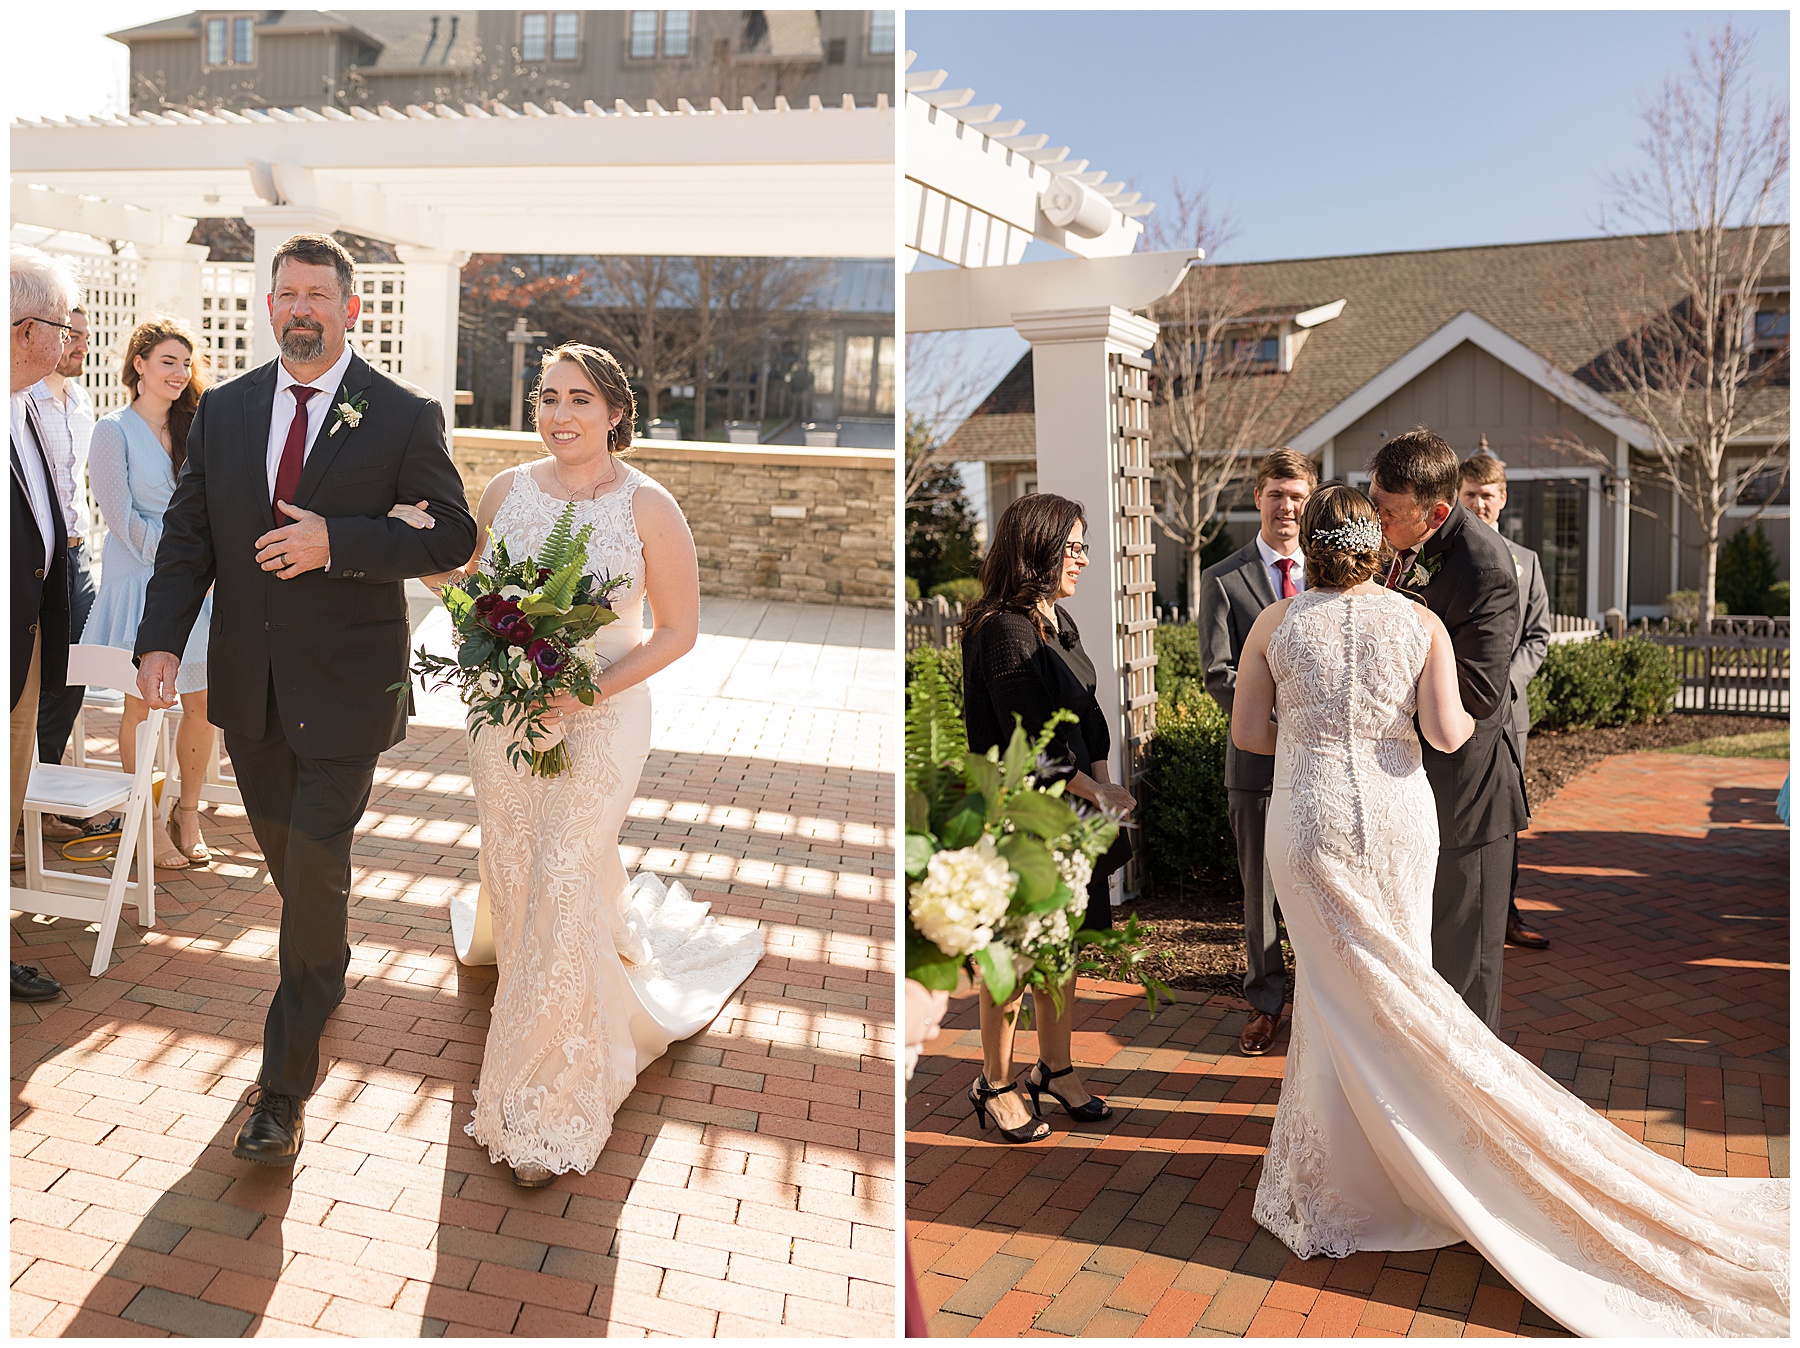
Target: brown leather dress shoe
(1526,937)
(1259,1033)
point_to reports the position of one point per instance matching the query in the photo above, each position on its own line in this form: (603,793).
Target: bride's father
(282,507)
(1463,572)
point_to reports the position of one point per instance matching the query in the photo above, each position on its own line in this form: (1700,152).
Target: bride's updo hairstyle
(1341,538)
(601,369)
(1024,561)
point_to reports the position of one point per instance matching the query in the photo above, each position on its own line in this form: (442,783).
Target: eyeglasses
(68,329)
(1078,551)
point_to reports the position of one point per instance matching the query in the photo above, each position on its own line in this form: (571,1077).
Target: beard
(303,342)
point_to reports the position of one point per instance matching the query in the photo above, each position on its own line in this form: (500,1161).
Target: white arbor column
(1073,397)
(274,226)
(433,297)
(170,279)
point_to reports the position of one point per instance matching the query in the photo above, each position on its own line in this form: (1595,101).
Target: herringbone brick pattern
(746,1190)
(1662,1001)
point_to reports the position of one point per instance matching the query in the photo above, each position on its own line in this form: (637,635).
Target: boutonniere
(349,413)
(1423,570)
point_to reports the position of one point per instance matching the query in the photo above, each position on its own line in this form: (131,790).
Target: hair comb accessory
(1356,535)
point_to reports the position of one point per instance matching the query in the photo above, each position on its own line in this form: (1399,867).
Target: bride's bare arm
(1253,704)
(1442,719)
(671,584)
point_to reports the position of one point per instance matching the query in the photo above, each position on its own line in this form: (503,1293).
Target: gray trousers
(1468,922)
(1265,980)
(1512,895)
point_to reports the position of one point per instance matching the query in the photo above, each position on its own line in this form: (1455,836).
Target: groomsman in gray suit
(1232,593)
(1483,495)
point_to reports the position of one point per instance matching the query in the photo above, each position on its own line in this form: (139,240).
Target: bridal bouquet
(524,632)
(997,862)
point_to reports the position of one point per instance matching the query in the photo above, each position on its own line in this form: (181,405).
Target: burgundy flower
(515,627)
(544,654)
(484,604)
(544,574)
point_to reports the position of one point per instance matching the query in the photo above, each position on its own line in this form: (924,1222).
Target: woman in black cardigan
(1022,657)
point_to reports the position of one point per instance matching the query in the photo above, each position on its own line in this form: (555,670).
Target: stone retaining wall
(769,521)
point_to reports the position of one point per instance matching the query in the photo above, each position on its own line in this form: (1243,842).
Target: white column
(274,226)
(170,279)
(433,295)
(1073,396)
(1622,526)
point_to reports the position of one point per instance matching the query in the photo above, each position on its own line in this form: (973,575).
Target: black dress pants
(304,813)
(1265,977)
(1468,922)
(56,713)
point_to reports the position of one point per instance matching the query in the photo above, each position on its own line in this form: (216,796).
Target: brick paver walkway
(748,1187)
(1662,880)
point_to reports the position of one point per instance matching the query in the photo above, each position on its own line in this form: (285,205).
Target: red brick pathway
(1662,1000)
(747,1189)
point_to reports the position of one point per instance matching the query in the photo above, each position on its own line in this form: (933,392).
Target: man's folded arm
(386,549)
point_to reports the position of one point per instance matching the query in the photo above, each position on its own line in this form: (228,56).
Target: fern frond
(935,737)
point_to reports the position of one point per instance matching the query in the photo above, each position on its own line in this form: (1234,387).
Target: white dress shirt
(68,427)
(37,486)
(318,407)
(1270,557)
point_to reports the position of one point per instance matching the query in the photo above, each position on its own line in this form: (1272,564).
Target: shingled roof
(1394,302)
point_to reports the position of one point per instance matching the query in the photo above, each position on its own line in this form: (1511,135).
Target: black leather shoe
(274,1131)
(32,985)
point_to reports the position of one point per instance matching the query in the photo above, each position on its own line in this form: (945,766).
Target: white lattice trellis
(381,331)
(109,287)
(227,315)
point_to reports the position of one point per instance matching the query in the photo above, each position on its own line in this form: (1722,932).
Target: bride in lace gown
(1404,1123)
(598,976)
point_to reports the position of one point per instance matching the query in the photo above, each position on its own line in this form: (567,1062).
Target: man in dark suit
(1462,572)
(43,293)
(1232,593)
(283,508)
(1483,495)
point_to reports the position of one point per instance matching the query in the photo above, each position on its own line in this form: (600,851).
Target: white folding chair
(85,793)
(215,788)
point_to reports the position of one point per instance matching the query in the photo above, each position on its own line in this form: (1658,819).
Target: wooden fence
(933,621)
(1740,665)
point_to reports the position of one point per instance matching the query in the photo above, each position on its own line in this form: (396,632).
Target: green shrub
(912,588)
(1187,827)
(1778,599)
(1177,655)
(1602,683)
(962,590)
(948,660)
(1683,607)
(1747,571)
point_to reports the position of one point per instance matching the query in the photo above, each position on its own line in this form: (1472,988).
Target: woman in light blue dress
(134,459)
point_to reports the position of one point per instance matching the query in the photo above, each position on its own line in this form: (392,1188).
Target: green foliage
(1187,826)
(1747,572)
(1683,607)
(947,661)
(962,590)
(912,589)
(1602,683)
(940,524)
(1177,655)
(1778,599)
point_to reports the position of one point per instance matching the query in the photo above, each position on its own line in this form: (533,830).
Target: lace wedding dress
(597,976)
(1404,1123)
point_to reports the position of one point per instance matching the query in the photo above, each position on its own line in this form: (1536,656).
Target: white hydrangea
(963,895)
(1037,934)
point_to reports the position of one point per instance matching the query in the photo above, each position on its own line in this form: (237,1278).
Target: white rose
(515,653)
(964,893)
(528,675)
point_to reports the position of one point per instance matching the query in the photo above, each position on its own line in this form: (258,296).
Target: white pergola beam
(47,208)
(994,297)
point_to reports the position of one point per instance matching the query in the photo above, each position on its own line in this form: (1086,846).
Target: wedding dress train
(1404,1123)
(598,976)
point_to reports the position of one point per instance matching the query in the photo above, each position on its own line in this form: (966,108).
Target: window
(550,36)
(1772,329)
(1261,350)
(881,32)
(677,28)
(654,32)
(834,51)
(1766,486)
(230,40)
(643,34)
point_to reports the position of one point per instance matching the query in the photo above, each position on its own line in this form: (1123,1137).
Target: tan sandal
(196,853)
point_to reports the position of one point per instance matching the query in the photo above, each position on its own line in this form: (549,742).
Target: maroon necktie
(1288,588)
(1402,560)
(293,453)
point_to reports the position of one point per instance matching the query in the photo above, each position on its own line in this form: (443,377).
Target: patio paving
(1662,1001)
(749,1186)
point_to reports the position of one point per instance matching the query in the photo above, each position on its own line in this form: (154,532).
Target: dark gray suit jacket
(1534,631)
(1233,594)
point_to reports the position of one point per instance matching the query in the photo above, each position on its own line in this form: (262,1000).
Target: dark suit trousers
(304,812)
(1265,978)
(56,713)
(1512,894)
(1468,922)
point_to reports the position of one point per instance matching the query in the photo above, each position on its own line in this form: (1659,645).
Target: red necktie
(1288,588)
(293,453)
(1402,560)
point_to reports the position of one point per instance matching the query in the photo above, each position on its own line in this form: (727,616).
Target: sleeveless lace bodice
(528,513)
(1357,653)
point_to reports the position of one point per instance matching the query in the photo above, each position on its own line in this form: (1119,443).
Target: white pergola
(979,188)
(441,183)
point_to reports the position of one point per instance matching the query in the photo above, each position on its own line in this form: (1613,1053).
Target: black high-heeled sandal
(1092,1110)
(980,1093)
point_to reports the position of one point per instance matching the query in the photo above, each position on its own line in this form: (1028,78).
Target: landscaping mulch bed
(1198,945)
